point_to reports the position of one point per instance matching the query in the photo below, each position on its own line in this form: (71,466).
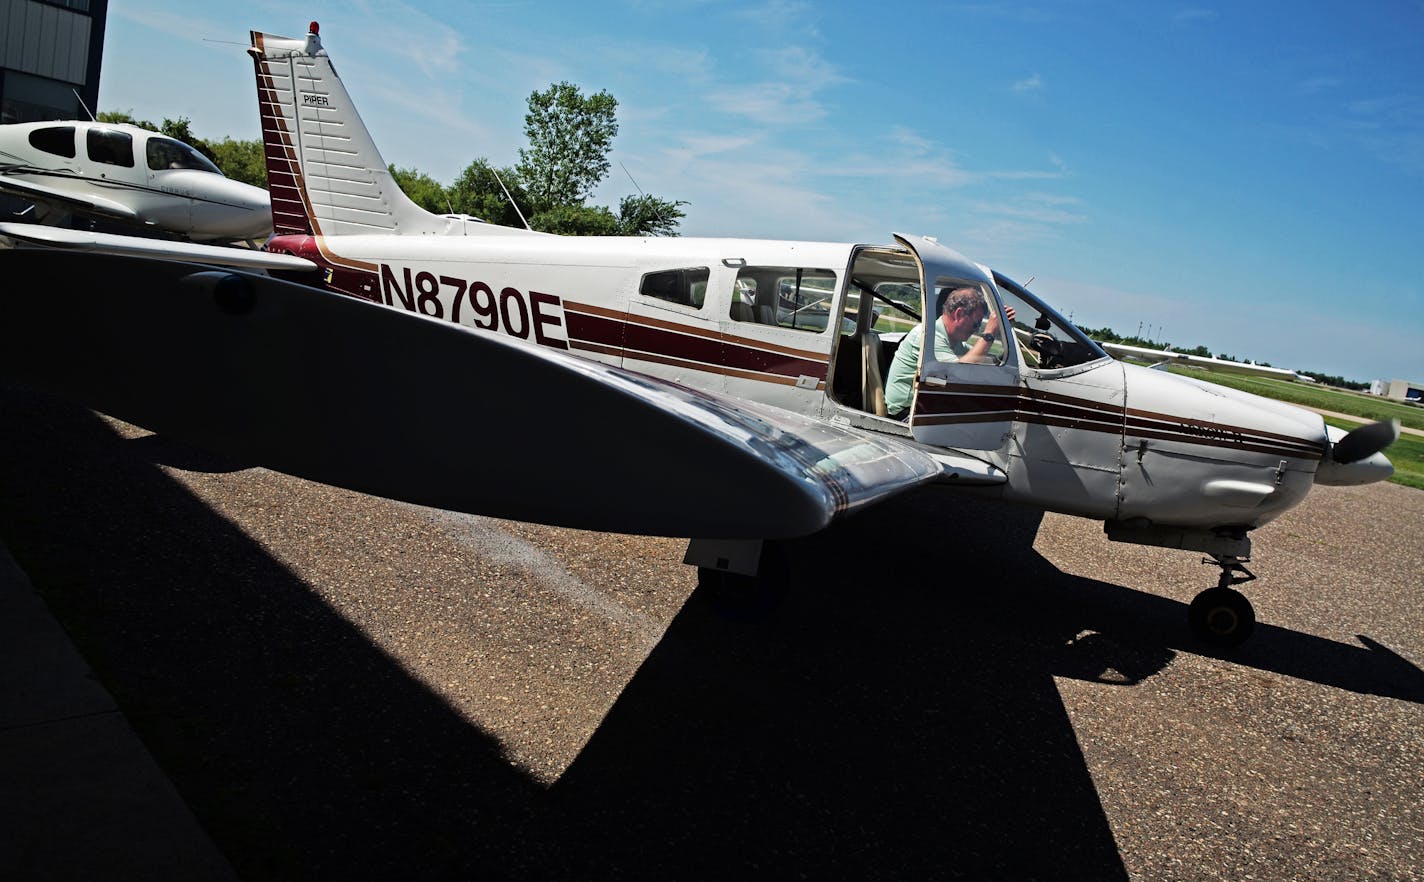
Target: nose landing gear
(1222,616)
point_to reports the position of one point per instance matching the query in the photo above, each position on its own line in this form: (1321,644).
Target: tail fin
(325,175)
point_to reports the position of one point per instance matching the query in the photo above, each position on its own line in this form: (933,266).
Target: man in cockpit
(961,311)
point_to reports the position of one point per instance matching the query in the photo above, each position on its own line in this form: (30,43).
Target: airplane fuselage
(1099,439)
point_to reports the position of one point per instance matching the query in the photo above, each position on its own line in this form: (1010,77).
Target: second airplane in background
(127,174)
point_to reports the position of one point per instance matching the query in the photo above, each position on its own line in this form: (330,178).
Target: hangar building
(50,49)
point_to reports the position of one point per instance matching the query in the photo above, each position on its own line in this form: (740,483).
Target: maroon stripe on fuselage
(977,403)
(666,342)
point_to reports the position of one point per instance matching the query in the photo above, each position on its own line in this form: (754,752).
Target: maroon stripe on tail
(290,214)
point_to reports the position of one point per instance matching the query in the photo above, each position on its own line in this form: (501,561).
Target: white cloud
(1316,85)
(776,14)
(1193,16)
(800,74)
(1032,85)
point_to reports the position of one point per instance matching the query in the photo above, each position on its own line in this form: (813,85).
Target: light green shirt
(900,382)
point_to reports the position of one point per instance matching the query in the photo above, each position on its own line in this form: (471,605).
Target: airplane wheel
(1221,616)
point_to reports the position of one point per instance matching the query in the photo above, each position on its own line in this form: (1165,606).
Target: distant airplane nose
(230,209)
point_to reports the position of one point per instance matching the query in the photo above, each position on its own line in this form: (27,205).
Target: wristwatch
(988,337)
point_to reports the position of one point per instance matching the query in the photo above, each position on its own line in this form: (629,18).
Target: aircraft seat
(872,378)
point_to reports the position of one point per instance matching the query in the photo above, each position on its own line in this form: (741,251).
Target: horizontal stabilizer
(138,246)
(383,401)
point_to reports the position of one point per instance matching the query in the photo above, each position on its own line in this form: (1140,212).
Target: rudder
(324,173)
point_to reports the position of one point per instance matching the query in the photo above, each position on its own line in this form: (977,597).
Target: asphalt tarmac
(345,687)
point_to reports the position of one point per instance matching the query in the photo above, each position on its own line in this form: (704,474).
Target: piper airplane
(125,173)
(664,386)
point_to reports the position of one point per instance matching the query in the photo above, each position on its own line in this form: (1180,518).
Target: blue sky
(1245,176)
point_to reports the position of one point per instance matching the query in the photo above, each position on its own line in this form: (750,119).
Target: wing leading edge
(382,401)
(138,246)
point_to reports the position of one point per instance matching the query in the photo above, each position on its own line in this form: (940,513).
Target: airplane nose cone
(1358,468)
(235,211)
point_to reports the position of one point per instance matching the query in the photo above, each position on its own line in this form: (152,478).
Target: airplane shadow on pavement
(889,719)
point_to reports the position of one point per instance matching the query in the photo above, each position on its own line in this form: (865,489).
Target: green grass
(1369,408)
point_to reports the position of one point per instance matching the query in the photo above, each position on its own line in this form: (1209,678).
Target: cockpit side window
(687,287)
(1047,340)
(58,140)
(796,298)
(961,315)
(166,153)
(111,147)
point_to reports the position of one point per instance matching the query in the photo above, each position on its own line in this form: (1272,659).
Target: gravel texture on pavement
(344,686)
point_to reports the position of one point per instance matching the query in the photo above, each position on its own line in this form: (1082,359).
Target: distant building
(50,49)
(1399,390)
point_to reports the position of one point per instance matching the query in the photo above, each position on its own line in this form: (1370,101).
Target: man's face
(960,323)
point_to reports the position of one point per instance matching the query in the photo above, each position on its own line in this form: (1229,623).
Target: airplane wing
(12,235)
(1160,358)
(64,199)
(384,401)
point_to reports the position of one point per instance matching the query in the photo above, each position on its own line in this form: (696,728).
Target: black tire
(1221,617)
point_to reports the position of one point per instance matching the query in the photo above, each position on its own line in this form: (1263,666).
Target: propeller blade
(1365,441)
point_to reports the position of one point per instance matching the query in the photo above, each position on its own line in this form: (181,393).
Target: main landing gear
(1222,615)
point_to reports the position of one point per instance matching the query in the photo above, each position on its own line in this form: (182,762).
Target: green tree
(647,215)
(422,189)
(125,117)
(477,192)
(244,161)
(569,139)
(576,220)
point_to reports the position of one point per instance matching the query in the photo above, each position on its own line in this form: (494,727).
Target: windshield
(166,153)
(1047,340)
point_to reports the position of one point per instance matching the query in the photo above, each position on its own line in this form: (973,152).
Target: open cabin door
(969,406)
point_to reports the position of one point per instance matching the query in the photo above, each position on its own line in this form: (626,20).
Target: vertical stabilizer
(325,175)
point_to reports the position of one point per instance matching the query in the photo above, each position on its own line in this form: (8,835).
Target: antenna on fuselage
(511,199)
(92,117)
(636,187)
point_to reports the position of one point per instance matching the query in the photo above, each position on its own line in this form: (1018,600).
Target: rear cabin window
(58,140)
(165,153)
(797,298)
(111,147)
(686,287)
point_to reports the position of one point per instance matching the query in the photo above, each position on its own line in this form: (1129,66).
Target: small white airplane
(651,385)
(125,173)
